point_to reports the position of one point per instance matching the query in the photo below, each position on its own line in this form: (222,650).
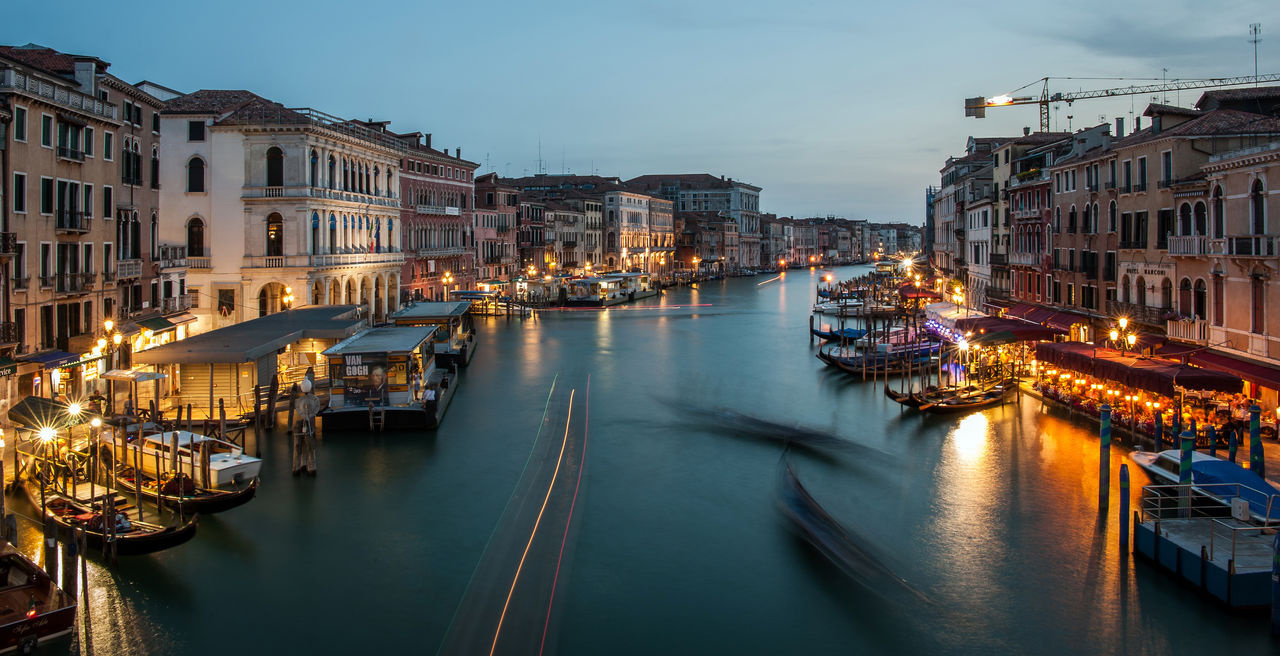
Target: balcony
(70,154)
(1141,186)
(1252,245)
(1026,259)
(72,283)
(304,191)
(1164,184)
(999,259)
(8,243)
(1126,189)
(180,303)
(20,283)
(1145,315)
(440,210)
(442,251)
(108,277)
(569,244)
(504,227)
(1110,186)
(997,294)
(46,281)
(1092,186)
(70,222)
(959,261)
(315,261)
(1133,244)
(13,79)
(1196,330)
(1195,245)
(10,333)
(199,262)
(128,269)
(173,257)
(493,259)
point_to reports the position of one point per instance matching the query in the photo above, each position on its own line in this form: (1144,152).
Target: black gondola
(137,539)
(204,501)
(966,402)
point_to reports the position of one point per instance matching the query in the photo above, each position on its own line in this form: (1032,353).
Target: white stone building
(278,207)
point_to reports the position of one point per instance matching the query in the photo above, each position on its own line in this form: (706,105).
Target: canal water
(679,546)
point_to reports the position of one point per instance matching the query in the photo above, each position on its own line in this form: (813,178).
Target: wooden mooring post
(1104,457)
(272,393)
(293,404)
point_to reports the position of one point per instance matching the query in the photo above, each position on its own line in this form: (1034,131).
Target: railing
(10,332)
(71,154)
(13,79)
(20,282)
(1026,259)
(173,257)
(1196,330)
(1164,184)
(1092,186)
(179,303)
(569,244)
(1133,243)
(1141,186)
(1126,188)
(46,281)
(999,259)
(997,294)
(128,269)
(442,251)
(1110,186)
(69,283)
(70,221)
(317,260)
(1142,314)
(108,276)
(1252,246)
(493,259)
(199,262)
(8,243)
(443,210)
(304,191)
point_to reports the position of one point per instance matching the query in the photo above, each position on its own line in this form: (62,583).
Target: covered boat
(1221,480)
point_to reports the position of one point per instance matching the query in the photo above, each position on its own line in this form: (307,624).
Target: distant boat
(35,609)
(839,334)
(1218,479)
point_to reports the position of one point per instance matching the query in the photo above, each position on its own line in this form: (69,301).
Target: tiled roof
(210,101)
(1157,108)
(1211,99)
(682,181)
(45,59)
(1038,138)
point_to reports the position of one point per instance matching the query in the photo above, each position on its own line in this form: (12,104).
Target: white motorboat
(228,465)
(1215,478)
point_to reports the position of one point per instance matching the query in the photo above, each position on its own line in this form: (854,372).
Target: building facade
(440,244)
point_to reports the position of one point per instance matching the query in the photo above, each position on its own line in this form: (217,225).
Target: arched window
(333,172)
(275,235)
(333,234)
(1125,289)
(1219,220)
(390,182)
(1184,219)
(1057,219)
(155,237)
(1258,298)
(1199,297)
(1202,221)
(391,236)
(1111,217)
(375,181)
(1184,297)
(195,237)
(135,237)
(1257,209)
(346,175)
(313,169)
(195,175)
(1166,294)
(1086,228)
(275,167)
(315,233)
(155,168)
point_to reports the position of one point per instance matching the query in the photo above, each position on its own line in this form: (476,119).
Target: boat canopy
(134,375)
(1263,497)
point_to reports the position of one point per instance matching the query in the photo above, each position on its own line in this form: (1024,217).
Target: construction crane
(977,107)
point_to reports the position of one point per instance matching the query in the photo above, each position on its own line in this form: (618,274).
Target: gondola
(204,501)
(965,403)
(841,334)
(137,539)
(877,366)
(33,610)
(909,399)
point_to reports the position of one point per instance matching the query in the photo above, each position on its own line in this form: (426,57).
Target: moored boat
(966,402)
(228,465)
(33,610)
(1215,478)
(181,493)
(132,536)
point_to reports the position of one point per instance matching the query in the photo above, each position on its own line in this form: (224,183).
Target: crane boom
(977,106)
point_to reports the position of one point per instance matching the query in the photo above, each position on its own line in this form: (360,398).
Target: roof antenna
(1255,35)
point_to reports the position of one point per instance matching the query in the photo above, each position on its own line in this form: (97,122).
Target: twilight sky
(832,107)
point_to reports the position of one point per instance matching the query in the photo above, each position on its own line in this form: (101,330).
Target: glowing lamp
(31,612)
(1132,338)
(102,343)
(46,434)
(1115,334)
(74,409)
(117,338)
(1124,322)
(108,325)
(96,422)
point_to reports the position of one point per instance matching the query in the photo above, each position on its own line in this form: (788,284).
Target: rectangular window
(1109,264)
(88,201)
(1142,174)
(1166,167)
(19,192)
(107,204)
(46,131)
(19,123)
(87,262)
(106,258)
(46,195)
(1128,176)
(155,123)
(108,145)
(1164,225)
(1071,294)
(88,317)
(195,130)
(20,266)
(88,142)
(46,262)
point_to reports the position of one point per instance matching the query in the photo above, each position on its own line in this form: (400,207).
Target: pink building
(438,220)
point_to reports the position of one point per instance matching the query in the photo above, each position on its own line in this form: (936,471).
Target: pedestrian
(417,385)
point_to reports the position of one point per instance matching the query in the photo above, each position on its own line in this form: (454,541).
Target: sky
(833,107)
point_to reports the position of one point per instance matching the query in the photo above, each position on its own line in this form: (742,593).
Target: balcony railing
(1143,314)
(1196,330)
(10,333)
(179,303)
(999,259)
(1092,186)
(1164,184)
(72,283)
(1252,245)
(126,269)
(1026,259)
(1192,245)
(70,221)
(1131,243)
(8,243)
(13,79)
(20,282)
(318,260)
(199,262)
(1110,186)
(1141,186)
(442,251)
(71,154)
(304,191)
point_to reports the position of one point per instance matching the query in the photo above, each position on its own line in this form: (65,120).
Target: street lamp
(287,299)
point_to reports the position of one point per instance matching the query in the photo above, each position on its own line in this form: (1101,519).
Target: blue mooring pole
(1184,473)
(1212,433)
(1124,508)
(1104,457)
(1256,463)
(1159,430)
(1233,443)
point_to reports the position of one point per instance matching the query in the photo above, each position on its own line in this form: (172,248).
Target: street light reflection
(970,437)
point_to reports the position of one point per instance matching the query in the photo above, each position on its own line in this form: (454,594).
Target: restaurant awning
(1159,375)
(8,366)
(1000,330)
(179,319)
(51,359)
(133,376)
(1256,373)
(156,323)
(35,412)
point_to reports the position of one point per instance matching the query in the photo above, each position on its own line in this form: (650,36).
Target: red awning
(1256,373)
(1158,375)
(1063,320)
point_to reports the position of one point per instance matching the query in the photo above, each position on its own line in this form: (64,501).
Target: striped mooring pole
(1184,473)
(1104,457)
(1124,508)
(1233,442)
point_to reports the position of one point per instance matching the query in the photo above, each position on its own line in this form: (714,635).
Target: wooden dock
(1224,557)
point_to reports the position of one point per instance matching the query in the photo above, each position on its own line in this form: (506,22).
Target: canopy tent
(1256,373)
(36,412)
(999,330)
(1157,375)
(133,376)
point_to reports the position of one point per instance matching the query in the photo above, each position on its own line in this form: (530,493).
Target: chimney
(428,137)
(1137,124)
(1026,131)
(459,151)
(1119,127)
(85,70)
